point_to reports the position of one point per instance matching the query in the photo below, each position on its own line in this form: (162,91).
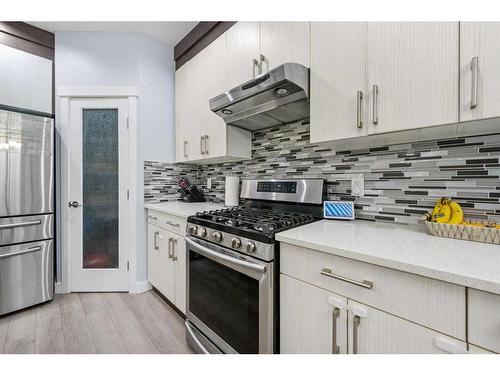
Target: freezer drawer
(26,164)
(25,229)
(26,275)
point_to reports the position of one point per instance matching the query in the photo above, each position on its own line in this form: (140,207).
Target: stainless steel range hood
(276,97)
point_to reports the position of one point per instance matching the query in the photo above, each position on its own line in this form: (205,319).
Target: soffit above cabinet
(198,39)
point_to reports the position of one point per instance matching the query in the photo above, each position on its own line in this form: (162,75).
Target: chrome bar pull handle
(256,67)
(206,144)
(21,252)
(364,284)
(375,105)
(172,223)
(263,61)
(335,315)
(18,225)
(474,81)
(170,248)
(174,243)
(356,321)
(359,109)
(155,241)
(185,149)
(201,146)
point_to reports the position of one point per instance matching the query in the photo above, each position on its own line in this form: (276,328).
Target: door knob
(74,204)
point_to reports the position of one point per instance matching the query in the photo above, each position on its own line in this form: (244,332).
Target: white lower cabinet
(167,262)
(484,319)
(372,331)
(312,320)
(160,267)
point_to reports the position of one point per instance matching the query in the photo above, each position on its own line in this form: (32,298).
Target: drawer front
(431,303)
(26,275)
(173,223)
(484,320)
(26,228)
(371,331)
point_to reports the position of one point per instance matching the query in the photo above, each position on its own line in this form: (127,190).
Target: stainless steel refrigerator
(26,210)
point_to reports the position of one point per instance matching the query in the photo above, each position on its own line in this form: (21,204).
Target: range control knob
(202,232)
(192,229)
(250,247)
(236,243)
(217,236)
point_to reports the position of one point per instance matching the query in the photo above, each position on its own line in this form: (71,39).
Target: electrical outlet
(358,186)
(209,183)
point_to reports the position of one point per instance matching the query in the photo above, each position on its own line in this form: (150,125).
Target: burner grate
(267,221)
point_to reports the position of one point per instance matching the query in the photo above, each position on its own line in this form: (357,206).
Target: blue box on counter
(338,210)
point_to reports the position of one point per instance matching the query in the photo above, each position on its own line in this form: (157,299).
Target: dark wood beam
(27,38)
(197,39)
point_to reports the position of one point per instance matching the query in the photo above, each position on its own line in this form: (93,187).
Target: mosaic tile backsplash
(160,180)
(401,181)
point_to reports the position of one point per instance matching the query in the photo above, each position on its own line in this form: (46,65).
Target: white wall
(106,59)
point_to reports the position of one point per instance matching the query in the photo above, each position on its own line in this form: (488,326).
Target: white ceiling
(169,33)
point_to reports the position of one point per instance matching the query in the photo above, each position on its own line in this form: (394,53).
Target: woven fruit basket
(465,232)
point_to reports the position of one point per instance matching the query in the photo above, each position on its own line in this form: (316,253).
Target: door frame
(65,94)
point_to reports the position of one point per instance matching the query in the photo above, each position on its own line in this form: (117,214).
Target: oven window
(226,301)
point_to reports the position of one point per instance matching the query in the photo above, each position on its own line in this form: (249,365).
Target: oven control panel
(289,187)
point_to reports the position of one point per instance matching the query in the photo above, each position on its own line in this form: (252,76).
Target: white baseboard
(59,288)
(140,287)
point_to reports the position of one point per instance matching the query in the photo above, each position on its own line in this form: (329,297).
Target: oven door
(230,299)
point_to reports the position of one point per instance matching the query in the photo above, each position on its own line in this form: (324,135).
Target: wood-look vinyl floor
(88,323)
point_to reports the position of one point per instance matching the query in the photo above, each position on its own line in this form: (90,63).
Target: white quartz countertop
(183,209)
(406,248)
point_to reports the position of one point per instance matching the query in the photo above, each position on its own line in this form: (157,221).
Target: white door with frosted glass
(98,205)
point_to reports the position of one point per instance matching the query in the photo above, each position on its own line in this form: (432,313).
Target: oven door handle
(216,255)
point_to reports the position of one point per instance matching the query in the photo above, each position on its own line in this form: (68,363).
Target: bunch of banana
(447,211)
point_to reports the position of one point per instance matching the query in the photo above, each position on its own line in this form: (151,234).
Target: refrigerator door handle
(21,252)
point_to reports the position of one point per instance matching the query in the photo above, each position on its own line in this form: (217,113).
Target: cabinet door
(284,42)
(167,266)
(372,331)
(215,81)
(242,47)
(154,256)
(338,74)
(415,66)
(182,145)
(479,70)
(160,265)
(484,319)
(179,260)
(190,93)
(312,320)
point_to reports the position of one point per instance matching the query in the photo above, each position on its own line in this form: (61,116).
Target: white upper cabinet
(284,42)
(479,70)
(338,80)
(190,116)
(25,80)
(215,81)
(242,53)
(415,67)
(381,77)
(201,135)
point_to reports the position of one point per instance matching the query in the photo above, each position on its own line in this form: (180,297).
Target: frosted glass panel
(100,188)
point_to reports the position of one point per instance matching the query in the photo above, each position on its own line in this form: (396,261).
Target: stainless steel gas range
(232,267)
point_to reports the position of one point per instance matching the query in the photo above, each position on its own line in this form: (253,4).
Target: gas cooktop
(254,223)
